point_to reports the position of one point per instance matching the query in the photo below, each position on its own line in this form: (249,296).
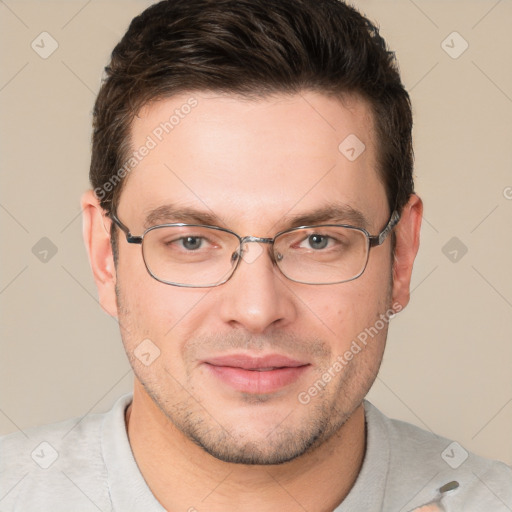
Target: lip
(257,375)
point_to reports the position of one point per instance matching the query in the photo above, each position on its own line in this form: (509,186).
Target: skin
(253,164)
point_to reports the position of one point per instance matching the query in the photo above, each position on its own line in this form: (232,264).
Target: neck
(182,476)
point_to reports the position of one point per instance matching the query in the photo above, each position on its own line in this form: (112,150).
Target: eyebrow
(332,213)
(170,214)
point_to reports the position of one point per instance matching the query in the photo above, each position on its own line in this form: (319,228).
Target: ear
(96,233)
(407,234)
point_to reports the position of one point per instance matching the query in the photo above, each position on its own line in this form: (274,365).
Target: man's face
(234,359)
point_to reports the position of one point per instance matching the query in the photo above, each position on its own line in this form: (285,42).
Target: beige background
(449,358)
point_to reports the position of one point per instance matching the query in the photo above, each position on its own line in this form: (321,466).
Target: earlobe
(96,233)
(407,235)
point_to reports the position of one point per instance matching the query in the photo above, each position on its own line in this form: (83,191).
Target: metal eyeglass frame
(373,241)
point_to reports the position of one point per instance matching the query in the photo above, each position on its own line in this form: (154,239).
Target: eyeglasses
(200,256)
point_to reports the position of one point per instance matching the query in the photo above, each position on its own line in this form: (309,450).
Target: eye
(187,243)
(191,243)
(316,241)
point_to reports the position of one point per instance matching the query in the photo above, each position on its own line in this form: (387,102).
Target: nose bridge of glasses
(250,255)
(247,239)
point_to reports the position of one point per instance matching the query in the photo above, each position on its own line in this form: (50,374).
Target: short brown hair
(252,48)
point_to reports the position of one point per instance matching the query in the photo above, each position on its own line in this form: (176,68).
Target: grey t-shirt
(87,465)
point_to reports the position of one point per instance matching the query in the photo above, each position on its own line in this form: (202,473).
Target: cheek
(357,331)
(349,309)
(155,306)
(166,315)
(352,322)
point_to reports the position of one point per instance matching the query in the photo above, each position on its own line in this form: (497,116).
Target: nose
(257,297)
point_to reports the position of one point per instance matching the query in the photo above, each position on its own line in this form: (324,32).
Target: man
(253,228)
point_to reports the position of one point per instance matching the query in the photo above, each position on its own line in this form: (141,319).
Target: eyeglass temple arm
(379,239)
(129,237)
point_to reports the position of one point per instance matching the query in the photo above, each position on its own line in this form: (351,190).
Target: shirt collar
(127,487)
(366,494)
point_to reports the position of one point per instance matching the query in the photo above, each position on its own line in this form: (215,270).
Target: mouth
(256,375)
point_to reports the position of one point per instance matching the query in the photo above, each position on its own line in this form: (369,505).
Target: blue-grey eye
(318,241)
(192,243)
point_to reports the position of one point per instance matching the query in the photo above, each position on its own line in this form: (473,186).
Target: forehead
(253,161)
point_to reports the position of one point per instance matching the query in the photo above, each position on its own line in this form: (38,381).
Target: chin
(256,453)
(251,443)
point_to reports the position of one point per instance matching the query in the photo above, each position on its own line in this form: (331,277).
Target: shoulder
(53,464)
(421,462)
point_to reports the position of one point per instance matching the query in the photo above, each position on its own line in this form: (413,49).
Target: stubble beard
(324,418)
